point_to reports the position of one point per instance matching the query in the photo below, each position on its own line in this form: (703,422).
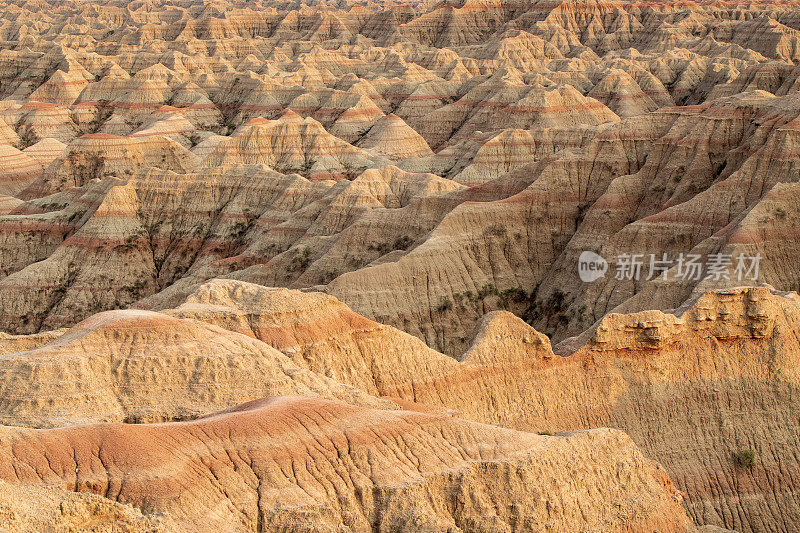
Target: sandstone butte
(298,266)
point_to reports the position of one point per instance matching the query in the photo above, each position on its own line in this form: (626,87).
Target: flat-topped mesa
(304,464)
(738,313)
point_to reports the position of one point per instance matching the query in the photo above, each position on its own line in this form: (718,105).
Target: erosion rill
(399,266)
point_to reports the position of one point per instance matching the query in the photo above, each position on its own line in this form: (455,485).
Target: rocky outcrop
(139,366)
(392,137)
(34,507)
(734,349)
(303,464)
(574,101)
(290,143)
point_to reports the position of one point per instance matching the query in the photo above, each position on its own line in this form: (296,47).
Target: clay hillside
(322,265)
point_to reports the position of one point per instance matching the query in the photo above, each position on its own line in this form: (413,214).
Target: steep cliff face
(703,180)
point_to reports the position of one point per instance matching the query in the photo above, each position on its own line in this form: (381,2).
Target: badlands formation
(313,266)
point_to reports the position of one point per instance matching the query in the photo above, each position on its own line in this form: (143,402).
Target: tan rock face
(130,365)
(320,333)
(29,508)
(736,349)
(290,143)
(395,139)
(19,170)
(647,184)
(369,206)
(95,156)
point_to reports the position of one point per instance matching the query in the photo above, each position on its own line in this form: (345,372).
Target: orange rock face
(308,465)
(652,374)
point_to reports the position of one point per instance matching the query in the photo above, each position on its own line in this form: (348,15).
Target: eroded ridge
(651,374)
(301,464)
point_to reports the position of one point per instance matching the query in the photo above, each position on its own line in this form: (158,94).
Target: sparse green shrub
(136,287)
(498,230)
(76,214)
(351,172)
(745,458)
(403,243)
(487,290)
(447,171)
(300,261)
(27,137)
(194,139)
(328,276)
(361,135)
(102,113)
(554,309)
(380,247)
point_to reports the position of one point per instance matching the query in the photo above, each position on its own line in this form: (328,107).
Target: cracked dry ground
(298,267)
